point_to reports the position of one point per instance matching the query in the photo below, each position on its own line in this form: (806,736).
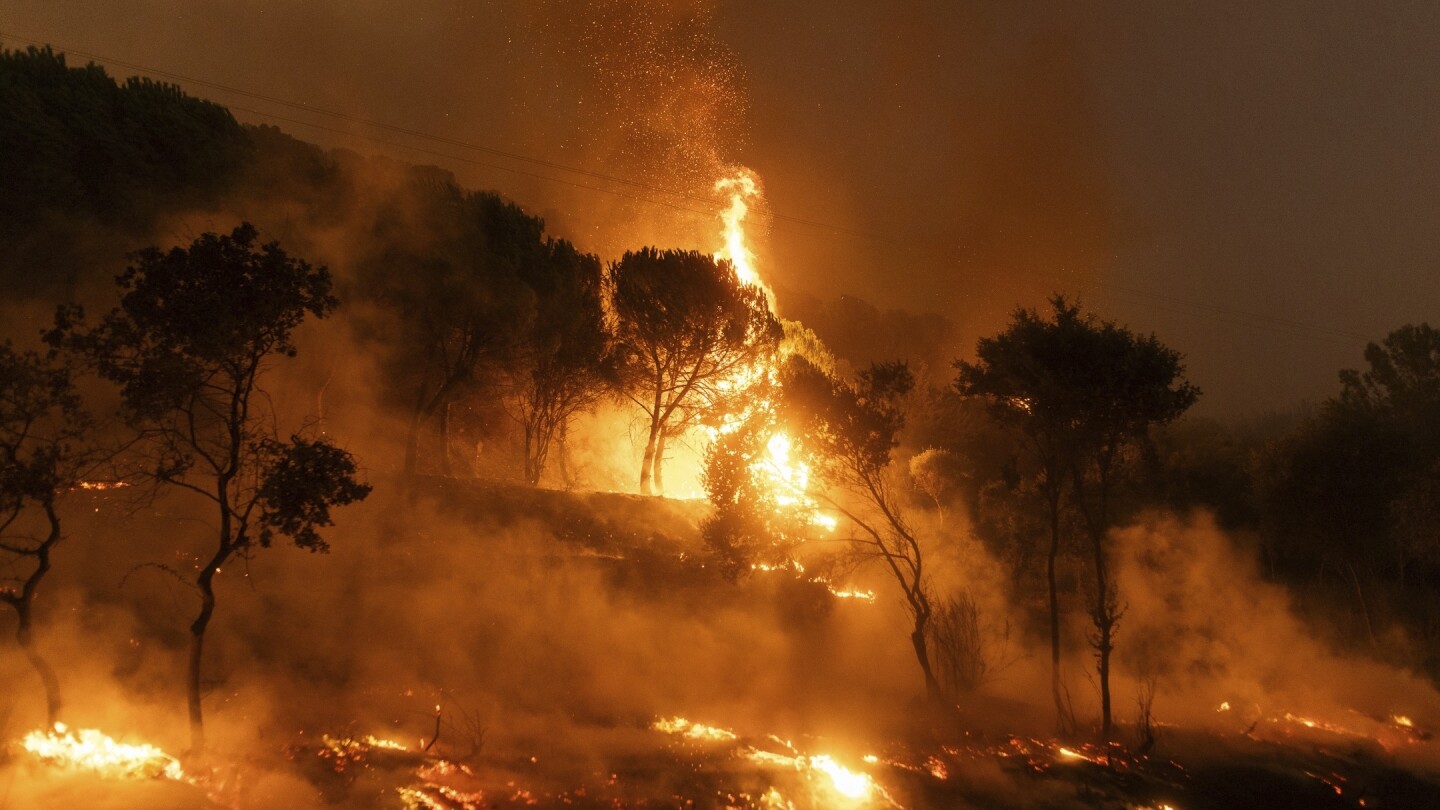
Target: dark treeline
(1337,500)
(484,329)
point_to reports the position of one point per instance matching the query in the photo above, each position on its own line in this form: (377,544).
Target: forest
(353,487)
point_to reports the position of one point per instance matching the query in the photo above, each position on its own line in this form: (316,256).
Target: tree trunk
(933,692)
(443,428)
(1056,689)
(205,582)
(659,464)
(25,638)
(532,466)
(1105,633)
(412,440)
(24,602)
(647,462)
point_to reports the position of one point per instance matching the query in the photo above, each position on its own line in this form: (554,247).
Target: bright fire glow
(786,478)
(88,749)
(740,188)
(693,731)
(847,783)
(854,785)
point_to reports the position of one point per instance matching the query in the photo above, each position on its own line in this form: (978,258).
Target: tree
(1020,373)
(853,430)
(1129,384)
(1350,492)
(41,427)
(449,272)
(559,371)
(687,333)
(189,344)
(1081,392)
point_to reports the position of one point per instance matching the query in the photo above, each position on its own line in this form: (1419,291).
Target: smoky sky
(1255,183)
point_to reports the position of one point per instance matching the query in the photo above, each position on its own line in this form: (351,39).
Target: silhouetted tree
(559,371)
(1021,372)
(1081,392)
(1348,493)
(1129,383)
(449,270)
(194,333)
(687,332)
(86,157)
(852,431)
(41,430)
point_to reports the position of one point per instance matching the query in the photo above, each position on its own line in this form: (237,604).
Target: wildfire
(849,593)
(101,485)
(88,749)
(692,731)
(787,478)
(740,187)
(856,786)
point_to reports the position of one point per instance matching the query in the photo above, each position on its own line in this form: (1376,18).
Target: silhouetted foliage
(42,427)
(1083,392)
(853,430)
(1348,497)
(447,271)
(194,333)
(559,369)
(76,145)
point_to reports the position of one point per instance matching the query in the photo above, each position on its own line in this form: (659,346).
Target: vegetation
(42,434)
(189,345)
(1062,428)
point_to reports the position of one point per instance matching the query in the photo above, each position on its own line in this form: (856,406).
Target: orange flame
(88,749)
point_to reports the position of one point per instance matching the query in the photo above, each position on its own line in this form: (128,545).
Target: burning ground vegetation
(509,663)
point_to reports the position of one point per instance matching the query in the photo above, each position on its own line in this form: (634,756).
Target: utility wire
(1192,308)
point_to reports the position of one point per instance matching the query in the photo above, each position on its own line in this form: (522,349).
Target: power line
(1195,309)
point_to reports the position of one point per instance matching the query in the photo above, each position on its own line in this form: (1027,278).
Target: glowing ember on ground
(854,785)
(693,731)
(91,750)
(1402,720)
(864,596)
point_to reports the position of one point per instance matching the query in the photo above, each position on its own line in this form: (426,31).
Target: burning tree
(688,333)
(853,430)
(41,425)
(559,371)
(1081,392)
(195,331)
(756,475)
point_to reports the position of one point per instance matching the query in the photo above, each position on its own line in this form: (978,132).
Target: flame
(692,731)
(88,749)
(785,477)
(740,187)
(848,783)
